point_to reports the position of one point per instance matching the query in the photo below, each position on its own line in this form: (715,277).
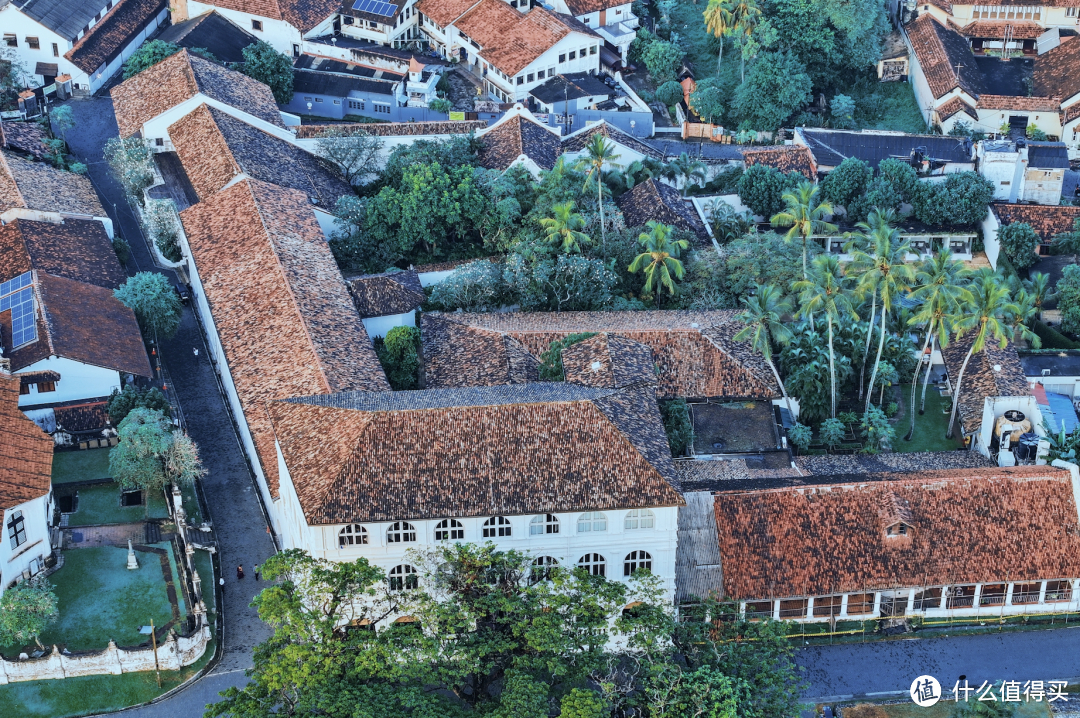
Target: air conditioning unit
(1046,372)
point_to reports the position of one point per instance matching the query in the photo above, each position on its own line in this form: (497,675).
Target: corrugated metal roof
(697,561)
(64,17)
(1060,413)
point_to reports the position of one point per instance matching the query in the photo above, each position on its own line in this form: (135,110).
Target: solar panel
(18,296)
(375,7)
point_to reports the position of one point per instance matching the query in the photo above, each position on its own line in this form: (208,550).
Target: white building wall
(14,560)
(539,67)
(279,34)
(991,245)
(1005,170)
(13,21)
(77,381)
(104,73)
(379,326)
(158,127)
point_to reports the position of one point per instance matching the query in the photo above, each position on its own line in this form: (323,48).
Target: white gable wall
(278,33)
(77,381)
(31,554)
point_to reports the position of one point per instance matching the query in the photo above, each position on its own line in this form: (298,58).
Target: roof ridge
(46,319)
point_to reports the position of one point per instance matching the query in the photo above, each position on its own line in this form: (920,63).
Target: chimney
(178,11)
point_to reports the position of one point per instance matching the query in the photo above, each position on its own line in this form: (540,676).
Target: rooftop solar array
(375,7)
(18,296)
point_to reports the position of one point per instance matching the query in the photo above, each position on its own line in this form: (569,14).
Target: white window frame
(544,524)
(541,568)
(497,527)
(636,560)
(594,563)
(401,532)
(352,535)
(453,529)
(400,578)
(588,522)
(637,519)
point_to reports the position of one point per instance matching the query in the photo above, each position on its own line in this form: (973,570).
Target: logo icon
(925,691)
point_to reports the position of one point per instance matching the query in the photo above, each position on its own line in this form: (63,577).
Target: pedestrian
(196,350)
(239,573)
(221,584)
(256,572)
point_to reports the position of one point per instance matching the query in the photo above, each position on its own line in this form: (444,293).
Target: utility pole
(153,640)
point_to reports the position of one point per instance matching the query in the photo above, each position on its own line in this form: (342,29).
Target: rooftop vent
(596,366)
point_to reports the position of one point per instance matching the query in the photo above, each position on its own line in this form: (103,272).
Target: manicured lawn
(99,599)
(930,428)
(92,694)
(70,466)
(100,504)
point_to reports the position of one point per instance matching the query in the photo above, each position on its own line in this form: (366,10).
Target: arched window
(542,568)
(639,519)
(449,530)
(594,563)
(635,560)
(591,521)
(403,578)
(544,524)
(353,534)
(401,532)
(496,526)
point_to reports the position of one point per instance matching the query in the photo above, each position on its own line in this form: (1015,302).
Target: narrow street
(239,524)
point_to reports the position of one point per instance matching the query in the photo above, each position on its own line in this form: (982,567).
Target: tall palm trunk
(804,240)
(877,360)
(866,351)
(720,58)
(600,204)
(926,381)
(832,368)
(915,379)
(783,391)
(956,392)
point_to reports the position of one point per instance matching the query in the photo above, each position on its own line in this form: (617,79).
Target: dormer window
(895,515)
(900,529)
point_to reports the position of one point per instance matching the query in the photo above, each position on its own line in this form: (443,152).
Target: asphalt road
(239,525)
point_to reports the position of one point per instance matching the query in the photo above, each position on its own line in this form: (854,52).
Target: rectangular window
(17,529)
(24,389)
(337,102)
(33,43)
(256,25)
(159,141)
(295,50)
(44,386)
(348,20)
(531,77)
(859,603)
(520,80)
(384,109)
(318,99)
(356,104)
(573,54)
(1025,593)
(1058,591)
(97,17)
(307,99)
(592,50)
(551,72)
(795,608)
(55,50)
(931,598)
(1070,12)
(827,606)
(759,610)
(562,58)
(11,40)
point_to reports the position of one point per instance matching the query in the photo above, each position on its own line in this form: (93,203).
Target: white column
(1042,592)
(776,609)
(843,606)
(810,607)
(877,604)
(978,596)
(911,602)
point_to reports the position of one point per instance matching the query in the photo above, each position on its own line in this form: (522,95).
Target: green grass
(930,428)
(92,694)
(72,466)
(899,109)
(100,599)
(100,504)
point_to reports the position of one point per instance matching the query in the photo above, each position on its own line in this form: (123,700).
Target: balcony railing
(960,602)
(992,599)
(1023,597)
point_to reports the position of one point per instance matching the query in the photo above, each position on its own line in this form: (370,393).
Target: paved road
(239,525)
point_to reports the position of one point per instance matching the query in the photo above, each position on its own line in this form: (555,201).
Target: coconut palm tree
(824,292)
(1041,292)
(877,219)
(720,22)
(942,288)
(660,258)
(599,154)
(683,169)
(746,15)
(1020,313)
(804,215)
(985,316)
(763,317)
(563,228)
(883,270)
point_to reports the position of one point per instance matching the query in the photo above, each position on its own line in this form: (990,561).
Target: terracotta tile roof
(654,200)
(301,14)
(990,29)
(535,448)
(394,129)
(36,185)
(109,37)
(791,158)
(26,453)
(578,140)
(510,40)
(282,311)
(36,377)
(77,249)
(693,351)
(82,418)
(954,106)
(943,4)
(382,295)
(444,12)
(26,137)
(1070,113)
(938,50)
(969,526)
(981,379)
(214,147)
(503,144)
(608,360)
(1009,102)
(1046,220)
(1057,72)
(584,7)
(181,77)
(488,22)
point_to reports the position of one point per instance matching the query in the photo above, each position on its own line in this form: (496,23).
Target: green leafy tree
(832,432)
(823,291)
(763,258)
(62,119)
(265,64)
(708,99)
(660,260)
(563,228)
(354,248)
(551,366)
(399,354)
(474,287)
(800,435)
(441,104)
(132,163)
(154,301)
(457,151)
(962,199)
(677,426)
(582,703)
(775,88)
(901,176)
(1041,292)
(762,189)
(152,453)
(670,93)
(565,283)
(847,182)
(149,54)
(599,153)
(727,224)
(662,59)
(1067,242)
(763,316)
(804,215)
(877,430)
(1020,243)
(985,316)
(1020,316)
(842,110)
(25,610)
(357,154)
(121,403)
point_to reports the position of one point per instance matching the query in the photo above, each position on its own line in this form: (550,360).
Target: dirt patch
(462,94)
(733,427)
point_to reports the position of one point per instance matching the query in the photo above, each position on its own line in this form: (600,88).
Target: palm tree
(763,317)
(1020,313)
(660,258)
(746,14)
(1041,292)
(824,291)
(875,221)
(984,315)
(940,281)
(685,168)
(885,272)
(720,22)
(803,215)
(599,153)
(564,228)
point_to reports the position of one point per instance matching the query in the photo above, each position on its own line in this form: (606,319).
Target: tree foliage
(399,354)
(708,99)
(154,301)
(776,87)
(847,182)
(677,426)
(551,366)
(265,64)
(152,453)
(25,610)
(356,153)
(962,199)
(662,59)
(1019,242)
(670,93)
(1068,298)
(149,54)
(762,189)
(132,163)
(122,402)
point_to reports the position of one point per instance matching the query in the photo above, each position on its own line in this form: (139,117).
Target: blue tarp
(1060,412)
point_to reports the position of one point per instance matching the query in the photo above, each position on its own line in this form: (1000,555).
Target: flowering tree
(152,453)
(25,610)
(132,163)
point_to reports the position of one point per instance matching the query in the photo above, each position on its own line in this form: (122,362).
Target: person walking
(256,572)
(239,573)
(221,584)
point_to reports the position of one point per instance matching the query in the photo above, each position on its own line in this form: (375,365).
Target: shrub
(670,93)
(677,426)
(762,188)
(832,432)
(1068,299)
(962,199)
(551,368)
(121,403)
(474,287)
(865,710)
(891,408)
(842,109)
(132,163)
(154,301)
(1019,243)
(847,182)
(1053,339)
(440,104)
(800,435)
(149,54)
(122,249)
(265,64)
(399,354)
(159,218)
(662,59)
(877,430)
